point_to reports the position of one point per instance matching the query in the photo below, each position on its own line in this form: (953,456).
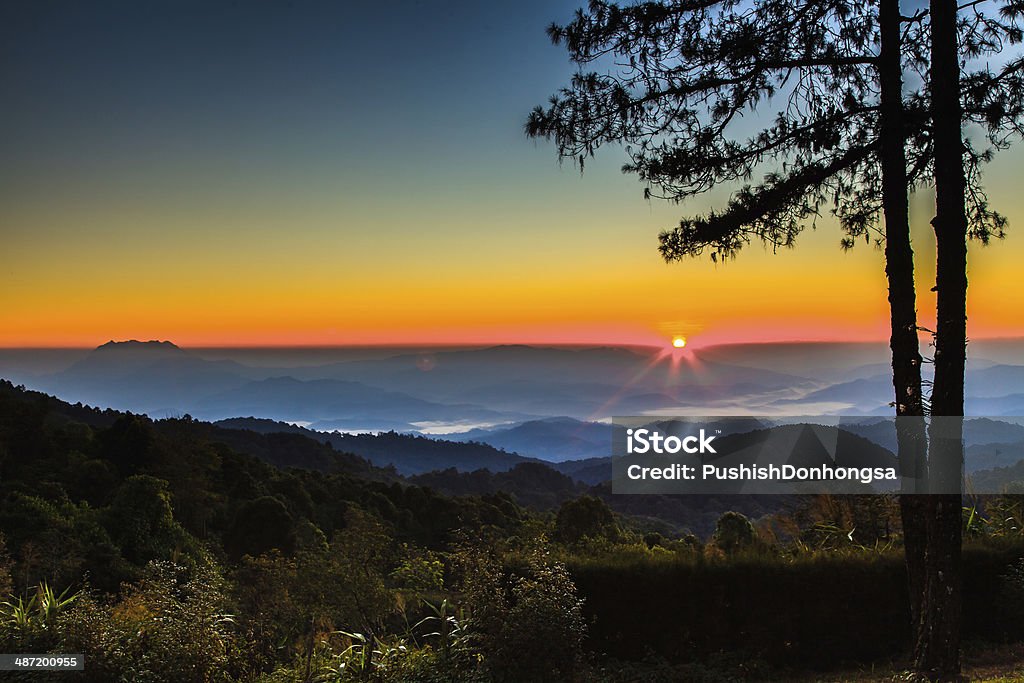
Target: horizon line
(470,344)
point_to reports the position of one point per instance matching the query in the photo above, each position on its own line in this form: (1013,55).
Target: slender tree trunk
(938,649)
(899,270)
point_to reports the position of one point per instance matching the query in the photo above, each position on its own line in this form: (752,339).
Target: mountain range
(497,407)
(475,468)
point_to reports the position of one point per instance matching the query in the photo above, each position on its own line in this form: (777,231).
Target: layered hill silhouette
(194,456)
(543,402)
(479,470)
(161,379)
(333,404)
(408,454)
(156,378)
(442,391)
(554,439)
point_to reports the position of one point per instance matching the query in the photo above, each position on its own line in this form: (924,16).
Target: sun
(679,342)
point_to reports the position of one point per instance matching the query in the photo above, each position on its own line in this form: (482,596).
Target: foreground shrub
(170,626)
(30,623)
(528,626)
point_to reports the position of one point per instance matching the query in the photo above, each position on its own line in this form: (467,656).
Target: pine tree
(678,78)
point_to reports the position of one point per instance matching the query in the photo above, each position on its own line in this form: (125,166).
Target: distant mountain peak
(140,351)
(136,345)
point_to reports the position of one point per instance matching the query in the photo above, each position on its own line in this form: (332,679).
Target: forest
(171,550)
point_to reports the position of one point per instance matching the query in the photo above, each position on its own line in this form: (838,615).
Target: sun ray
(675,357)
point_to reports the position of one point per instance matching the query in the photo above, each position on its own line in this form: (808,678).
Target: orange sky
(245,197)
(295,289)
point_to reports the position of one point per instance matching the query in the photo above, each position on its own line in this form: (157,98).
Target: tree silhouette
(991,99)
(688,73)
(584,517)
(681,74)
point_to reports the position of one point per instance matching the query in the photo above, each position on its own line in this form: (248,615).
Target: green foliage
(388,598)
(141,520)
(584,517)
(94,492)
(419,571)
(353,574)
(270,616)
(452,637)
(734,533)
(30,624)
(444,655)
(805,610)
(995,516)
(130,444)
(654,539)
(391,661)
(535,611)
(6,566)
(826,522)
(532,484)
(171,626)
(58,540)
(260,526)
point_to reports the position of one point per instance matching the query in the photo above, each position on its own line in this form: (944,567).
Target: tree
(734,532)
(584,517)
(682,72)
(260,526)
(899,271)
(141,520)
(937,650)
(346,584)
(992,99)
(688,72)
(528,623)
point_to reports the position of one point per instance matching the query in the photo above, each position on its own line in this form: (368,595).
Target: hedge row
(814,612)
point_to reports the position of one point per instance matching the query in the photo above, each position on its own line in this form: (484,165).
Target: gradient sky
(226,173)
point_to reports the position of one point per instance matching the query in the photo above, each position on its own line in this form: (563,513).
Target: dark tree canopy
(676,83)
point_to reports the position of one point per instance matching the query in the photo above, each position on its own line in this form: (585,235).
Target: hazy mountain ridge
(289,399)
(491,392)
(157,378)
(582,383)
(553,439)
(462,387)
(408,454)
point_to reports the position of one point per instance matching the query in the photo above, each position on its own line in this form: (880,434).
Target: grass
(982,663)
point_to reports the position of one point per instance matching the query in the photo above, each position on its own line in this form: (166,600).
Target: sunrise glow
(276,213)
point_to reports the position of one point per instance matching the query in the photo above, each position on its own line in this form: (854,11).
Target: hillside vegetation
(177,550)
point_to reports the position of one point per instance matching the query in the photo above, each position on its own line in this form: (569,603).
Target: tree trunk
(938,649)
(899,271)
